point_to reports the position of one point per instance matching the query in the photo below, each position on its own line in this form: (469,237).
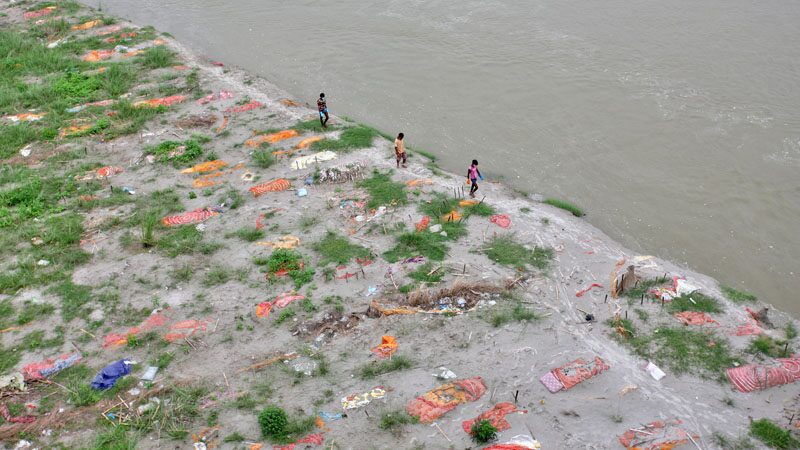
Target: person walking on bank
(400,150)
(322,106)
(472,176)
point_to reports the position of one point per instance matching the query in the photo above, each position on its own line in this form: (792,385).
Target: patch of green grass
(234,437)
(765,345)
(179,154)
(183,273)
(311,125)
(337,249)
(427,273)
(31,311)
(441,204)
(772,435)
(162,360)
(565,205)
(285,314)
(306,222)
(75,87)
(790,330)
(117,79)
(157,57)
(741,443)
(391,420)
(184,240)
(507,251)
(642,314)
(682,350)
(263,158)
(177,415)
(350,139)
(430,245)
(114,438)
(245,402)
(9,357)
(501,315)
(375,368)
(74,297)
(695,302)
(738,296)
(36,340)
(247,234)
(383,191)
(216,275)
(276,425)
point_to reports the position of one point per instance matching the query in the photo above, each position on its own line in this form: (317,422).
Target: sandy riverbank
(213,274)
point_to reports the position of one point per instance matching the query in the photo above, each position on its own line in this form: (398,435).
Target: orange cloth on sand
(263,309)
(423,224)
(464,203)
(86,25)
(207,166)
(387,347)
(308,141)
(451,216)
(156,102)
(98,55)
(392,311)
(418,182)
(496,415)
(270,138)
(280,184)
(434,403)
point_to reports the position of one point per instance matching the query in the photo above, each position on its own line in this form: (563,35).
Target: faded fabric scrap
(501,220)
(754,377)
(434,403)
(316,439)
(50,366)
(5,414)
(358,400)
(304,161)
(244,108)
(386,348)
(156,320)
(423,224)
(308,141)
(156,102)
(551,382)
(695,318)
(280,184)
(658,435)
(496,415)
(185,329)
(577,371)
(270,138)
(192,217)
(208,166)
(38,13)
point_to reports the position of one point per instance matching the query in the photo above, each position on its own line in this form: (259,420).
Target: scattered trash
(573,373)
(217,63)
(128,190)
(496,415)
(501,220)
(192,217)
(99,174)
(654,371)
(26,151)
(303,162)
(223,95)
(149,374)
(23,444)
(200,227)
(694,318)
(342,174)
(50,366)
(386,348)
(436,228)
(434,403)
(445,374)
(280,184)
(371,290)
(303,365)
(43,263)
(80,108)
(358,400)
(108,377)
(753,377)
(110,29)
(302,192)
(657,435)
(37,241)
(153,403)
(134,392)
(281,301)
(13,381)
(197,121)
(583,291)
(328,417)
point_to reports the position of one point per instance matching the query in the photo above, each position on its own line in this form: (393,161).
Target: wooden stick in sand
(442,431)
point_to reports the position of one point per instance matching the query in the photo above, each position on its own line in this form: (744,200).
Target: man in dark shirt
(322,106)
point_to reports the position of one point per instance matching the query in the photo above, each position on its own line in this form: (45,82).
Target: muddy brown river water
(675,124)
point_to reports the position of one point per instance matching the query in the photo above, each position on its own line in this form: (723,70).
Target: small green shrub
(338,249)
(738,296)
(383,191)
(263,158)
(507,251)
(273,422)
(483,431)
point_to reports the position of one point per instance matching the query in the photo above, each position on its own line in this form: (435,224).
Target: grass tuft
(738,296)
(383,191)
(772,435)
(351,139)
(567,206)
(695,302)
(507,251)
(375,368)
(338,249)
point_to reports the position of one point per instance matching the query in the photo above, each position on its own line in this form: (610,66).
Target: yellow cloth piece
(308,141)
(207,166)
(304,161)
(286,242)
(86,25)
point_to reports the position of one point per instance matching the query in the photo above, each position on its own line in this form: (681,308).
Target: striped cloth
(280,184)
(191,217)
(754,377)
